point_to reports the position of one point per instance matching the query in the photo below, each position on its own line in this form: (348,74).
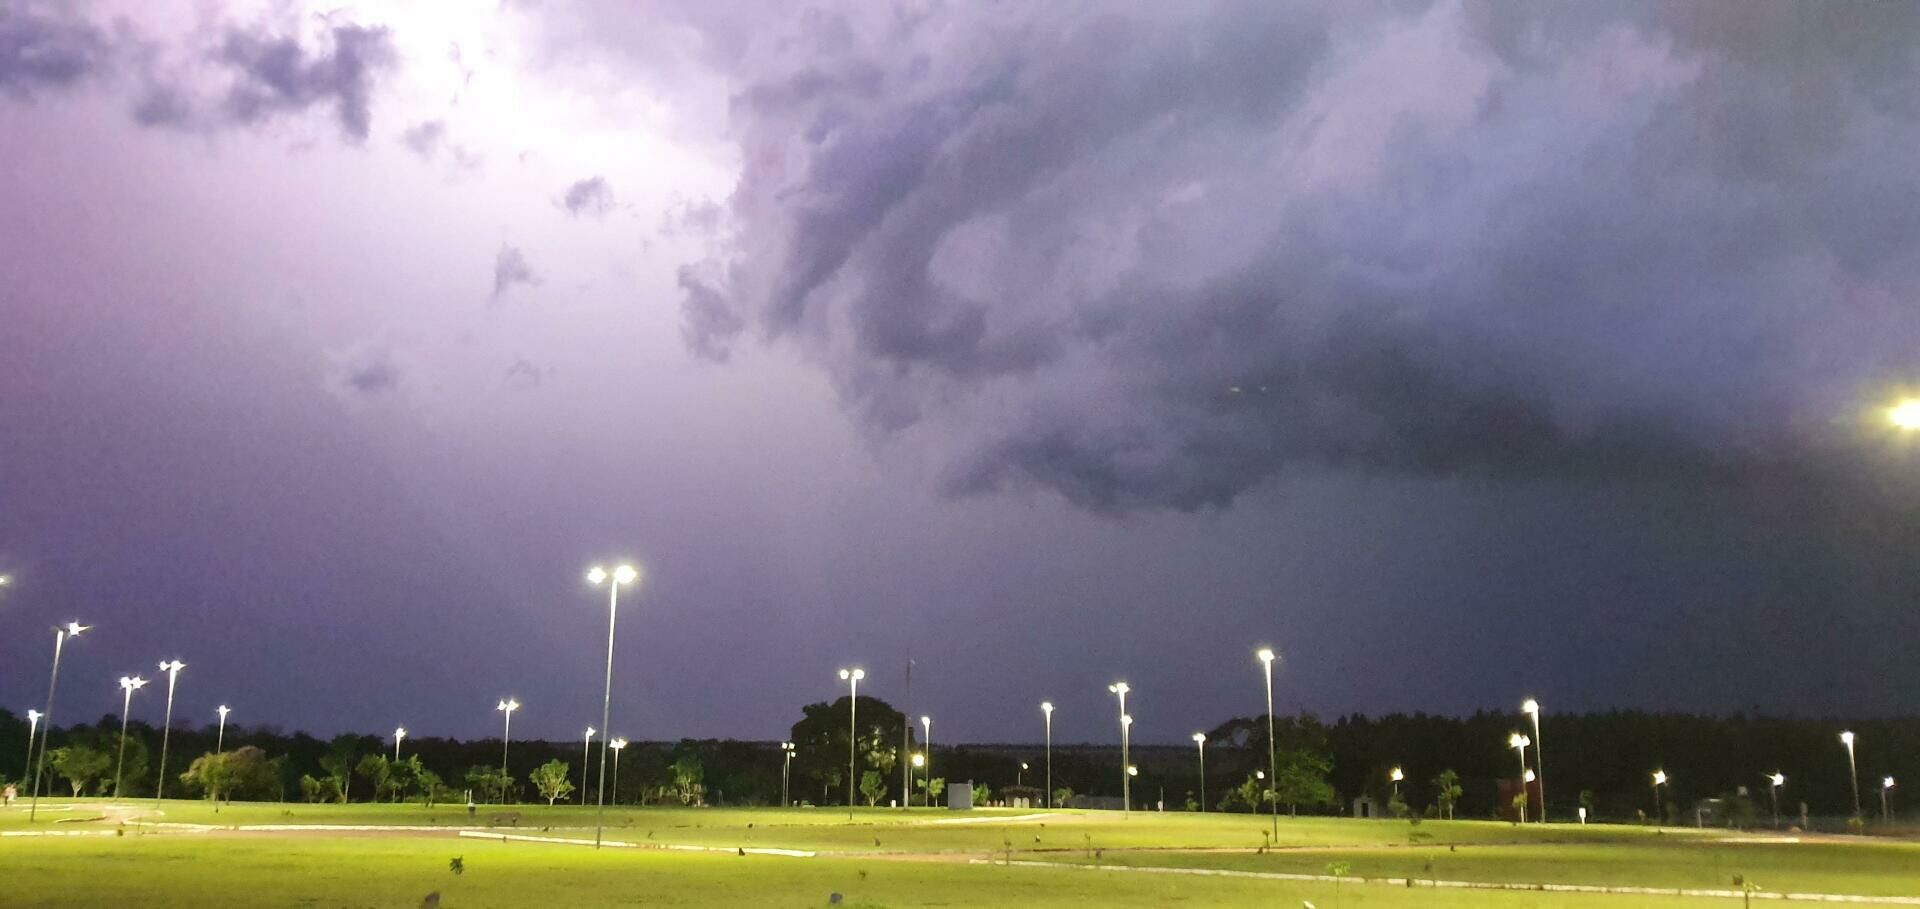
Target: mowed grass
(920,857)
(221,870)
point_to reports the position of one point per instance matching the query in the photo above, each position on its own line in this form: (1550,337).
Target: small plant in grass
(1339,870)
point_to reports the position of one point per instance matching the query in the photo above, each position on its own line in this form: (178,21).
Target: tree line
(1452,766)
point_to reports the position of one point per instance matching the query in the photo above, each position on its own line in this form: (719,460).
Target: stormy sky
(1462,351)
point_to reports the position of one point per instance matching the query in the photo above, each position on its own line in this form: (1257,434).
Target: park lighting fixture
(1267,658)
(619,745)
(786,748)
(506,707)
(1046,707)
(220,740)
(128,685)
(1853,770)
(919,760)
(399,735)
(1531,708)
(586,760)
(622,574)
(1905,415)
(1519,743)
(926,741)
(852,677)
(1132,770)
(1200,742)
(172,669)
(60,636)
(1528,776)
(1126,783)
(1777,779)
(1886,806)
(33,727)
(1659,780)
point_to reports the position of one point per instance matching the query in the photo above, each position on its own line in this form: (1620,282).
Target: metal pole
(906,743)
(1273,760)
(1203,776)
(126,704)
(166,732)
(59,641)
(1540,763)
(606,713)
(506,735)
(1049,760)
(853,735)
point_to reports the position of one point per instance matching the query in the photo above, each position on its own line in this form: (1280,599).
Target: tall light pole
(1531,708)
(1905,415)
(1659,780)
(1853,771)
(172,669)
(1777,779)
(1126,781)
(33,728)
(926,743)
(1396,775)
(786,765)
(1200,739)
(1520,742)
(220,739)
(1267,657)
(128,685)
(618,745)
(919,762)
(1886,812)
(586,762)
(506,707)
(399,735)
(1046,707)
(624,574)
(852,677)
(60,636)
(1020,779)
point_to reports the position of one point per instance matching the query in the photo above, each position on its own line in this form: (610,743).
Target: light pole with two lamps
(1200,741)
(1267,656)
(172,669)
(506,708)
(1126,777)
(1046,707)
(128,685)
(852,677)
(60,636)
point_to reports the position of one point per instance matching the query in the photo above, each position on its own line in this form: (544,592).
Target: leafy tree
(376,770)
(1062,796)
(936,787)
(687,780)
(1446,789)
(218,775)
(402,776)
(1303,779)
(980,794)
(430,784)
(80,765)
(553,780)
(338,763)
(822,735)
(313,789)
(489,782)
(1397,805)
(872,787)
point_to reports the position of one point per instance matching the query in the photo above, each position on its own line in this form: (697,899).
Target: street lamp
(586,762)
(926,741)
(1267,657)
(624,574)
(1905,415)
(1777,779)
(128,685)
(1200,741)
(1396,776)
(220,740)
(1126,783)
(1520,742)
(619,745)
(786,763)
(60,636)
(172,669)
(1659,780)
(852,677)
(916,765)
(1853,771)
(506,707)
(1046,707)
(1531,708)
(399,735)
(1020,779)
(33,727)
(1886,787)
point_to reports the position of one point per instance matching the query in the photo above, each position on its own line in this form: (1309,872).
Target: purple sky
(1461,351)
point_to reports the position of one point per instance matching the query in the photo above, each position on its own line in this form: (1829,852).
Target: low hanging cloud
(44,48)
(592,196)
(1149,257)
(510,268)
(364,371)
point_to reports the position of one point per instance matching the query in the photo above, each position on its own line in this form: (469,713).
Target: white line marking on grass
(622,844)
(1478,885)
(58,832)
(1014,819)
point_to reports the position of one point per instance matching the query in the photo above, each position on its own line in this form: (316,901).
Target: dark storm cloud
(592,196)
(510,268)
(1151,257)
(42,47)
(425,138)
(276,74)
(364,370)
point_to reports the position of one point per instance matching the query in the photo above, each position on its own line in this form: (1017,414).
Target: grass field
(882,858)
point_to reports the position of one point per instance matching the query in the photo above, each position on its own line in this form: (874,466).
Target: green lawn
(882,857)
(160,872)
